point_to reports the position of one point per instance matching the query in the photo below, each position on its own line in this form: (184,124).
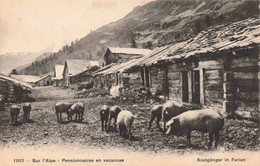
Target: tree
(133,43)
(14,72)
(71,49)
(208,20)
(197,26)
(90,55)
(99,53)
(148,45)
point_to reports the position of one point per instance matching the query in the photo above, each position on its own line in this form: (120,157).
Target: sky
(34,25)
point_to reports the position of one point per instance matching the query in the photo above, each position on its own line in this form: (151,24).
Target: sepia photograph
(129,82)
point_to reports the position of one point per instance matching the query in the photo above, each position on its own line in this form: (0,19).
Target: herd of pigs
(177,119)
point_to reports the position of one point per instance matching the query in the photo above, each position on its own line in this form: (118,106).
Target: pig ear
(170,122)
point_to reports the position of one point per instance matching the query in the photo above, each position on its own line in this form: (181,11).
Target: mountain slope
(156,23)
(11,61)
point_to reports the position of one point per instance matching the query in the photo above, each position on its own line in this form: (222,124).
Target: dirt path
(50,93)
(45,131)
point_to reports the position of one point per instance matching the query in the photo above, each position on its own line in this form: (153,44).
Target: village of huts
(216,69)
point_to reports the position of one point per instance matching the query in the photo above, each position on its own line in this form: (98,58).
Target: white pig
(125,120)
(205,120)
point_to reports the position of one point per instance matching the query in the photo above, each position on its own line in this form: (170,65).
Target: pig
(156,112)
(169,110)
(125,120)
(206,120)
(78,109)
(62,107)
(104,113)
(14,112)
(113,113)
(26,112)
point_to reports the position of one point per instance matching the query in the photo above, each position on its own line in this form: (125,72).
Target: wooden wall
(11,92)
(246,70)
(157,80)
(4,89)
(213,81)
(244,66)
(174,81)
(135,80)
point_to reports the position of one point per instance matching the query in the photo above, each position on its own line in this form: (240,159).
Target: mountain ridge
(154,24)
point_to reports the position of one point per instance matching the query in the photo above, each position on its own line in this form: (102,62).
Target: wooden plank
(173,83)
(249,106)
(176,67)
(202,90)
(211,95)
(216,87)
(245,61)
(190,85)
(215,81)
(246,69)
(211,64)
(228,87)
(174,75)
(174,90)
(247,85)
(213,74)
(242,75)
(248,96)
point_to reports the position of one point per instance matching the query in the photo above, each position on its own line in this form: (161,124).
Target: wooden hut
(120,55)
(31,79)
(57,80)
(12,90)
(44,81)
(77,71)
(217,68)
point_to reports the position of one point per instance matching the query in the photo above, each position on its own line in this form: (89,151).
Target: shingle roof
(225,37)
(58,71)
(104,68)
(76,66)
(132,51)
(117,68)
(16,82)
(26,78)
(43,78)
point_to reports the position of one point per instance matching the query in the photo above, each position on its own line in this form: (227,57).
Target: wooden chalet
(98,79)
(218,68)
(31,79)
(58,71)
(120,55)
(113,75)
(44,81)
(78,71)
(12,90)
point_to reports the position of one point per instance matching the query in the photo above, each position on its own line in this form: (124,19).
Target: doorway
(185,92)
(196,86)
